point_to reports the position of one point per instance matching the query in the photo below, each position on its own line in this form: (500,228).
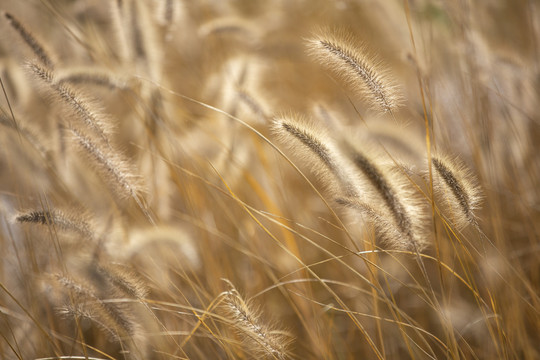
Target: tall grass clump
(364,175)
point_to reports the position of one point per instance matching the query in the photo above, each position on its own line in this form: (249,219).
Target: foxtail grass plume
(110,165)
(458,190)
(90,76)
(30,40)
(60,220)
(396,200)
(259,337)
(357,67)
(123,278)
(73,101)
(297,133)
(386,230)
(90,304)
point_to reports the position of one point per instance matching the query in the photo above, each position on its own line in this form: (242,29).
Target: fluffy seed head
(318,149)
(59,219)
(457,189)
(353,63)
(30,40)
(258,336)
(109,164)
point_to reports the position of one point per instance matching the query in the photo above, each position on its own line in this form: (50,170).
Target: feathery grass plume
(174,240)
(256,107)
(457,188)
(110,165)
(93,301)
(57,218)
(109,315)
(80,76)
(80,107)
(228,25)
(386,230)
(79,310)
(258,337)
(123,278)
(318,144)
(399,201)
(353,63)
(30,40)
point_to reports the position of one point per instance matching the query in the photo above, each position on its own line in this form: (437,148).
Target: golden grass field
(248,179)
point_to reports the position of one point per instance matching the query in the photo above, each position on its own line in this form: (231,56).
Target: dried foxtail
(78,105)
(102,305)
(390,188)
(90,76)
(258,336)
(58,219)
(458,189)
(112,318)
(109,164)
(319,146)
(123,278)
(386,230)
(255,106)
(358,68)
(30,40)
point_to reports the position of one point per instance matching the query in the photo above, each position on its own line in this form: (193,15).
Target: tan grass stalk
(458,188)
(167,10)
(357,67)
(137,36)
(137,40)
(30,40)
(259,337)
